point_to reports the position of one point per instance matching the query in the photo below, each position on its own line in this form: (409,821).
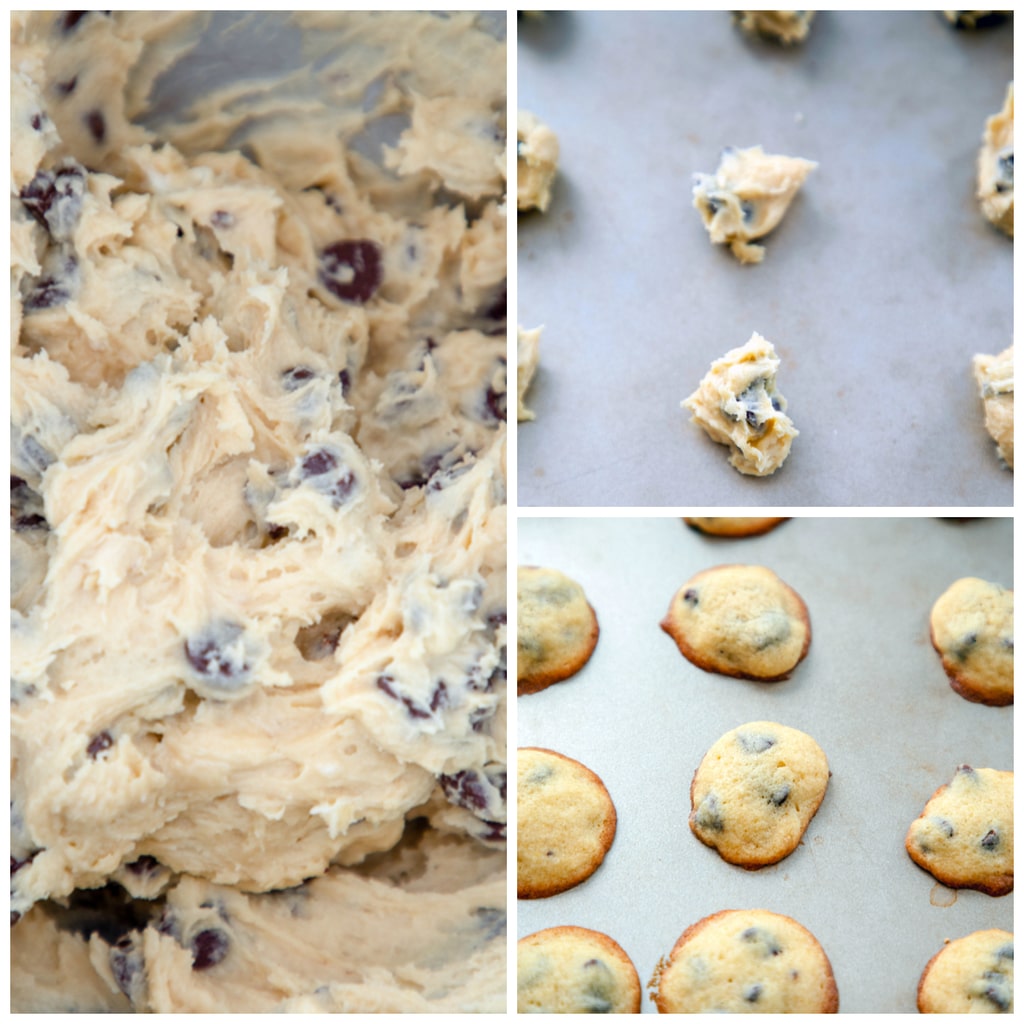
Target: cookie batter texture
(258,513)
(995,167)
(738,404)
(971,626)
(745,961)
(740,620)
(567,969)
(536,162)
(994,377)
(566,823)
(557,628)
(527,358)
(785,27)
(964,835)
(973,974)
(747,197)
(756,791)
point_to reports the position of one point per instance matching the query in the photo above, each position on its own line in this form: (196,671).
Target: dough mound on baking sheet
(972,974)
(527,360)
(787,27)
(536,162)
(994,377)
(995,167)
(738,404)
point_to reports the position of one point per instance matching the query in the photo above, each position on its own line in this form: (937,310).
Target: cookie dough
(566,823)
(557,628)
(536,162)
(995,167)
(740,620)
(994,377)
(964,835)
(527,358)
(738,404)
(733,526)
(971,626)
(786,27)
(258,396)
(747,197)
(973,19)
(575,970)
(745,961)
(756,791)
(973,974)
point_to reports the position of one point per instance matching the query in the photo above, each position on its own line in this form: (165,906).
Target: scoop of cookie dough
(258,458)
(973,974)
(566,823)
(973,19)
(527,357)
(994,377)
(557,628)
(747,197)
(971,626)
(536,162)
(756,791)
(568,969)
(745,961)
(964,835)
(995,167)
(783,26)
(738,404)
(740,620)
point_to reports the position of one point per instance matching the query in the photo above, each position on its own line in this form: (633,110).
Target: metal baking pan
(877,289)
(871,691)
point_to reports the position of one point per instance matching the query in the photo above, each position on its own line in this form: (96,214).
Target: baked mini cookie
(557,628)
(566,822)
(745,961)
(575,970)
(756,791)
(733,526)
(971,627)
(970,975)
(740,620)
(994,377)
(964,835)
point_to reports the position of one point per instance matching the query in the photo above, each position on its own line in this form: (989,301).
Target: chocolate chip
(56,285)
(493,921)
(1005,952)
(780,796)
(990,840)
(345,379)
(222,219)
(209,948)
(218,656)
(55,198)
(37,122)
(944,826)
(709,814)
(754,744)
(100,742)
(498,308)
(126,964)
(752,993)
(26,507)
(759,936)
(997,990)
(296,376)
(386,684)
(144,865)
(352,270)
(97,125)
(67,87)
(71,19)
(690,597)
(496,403)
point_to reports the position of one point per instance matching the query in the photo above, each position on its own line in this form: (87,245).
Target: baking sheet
(876,290)
(871,691)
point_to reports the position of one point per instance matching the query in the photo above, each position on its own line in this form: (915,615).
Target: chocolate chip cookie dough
(738,404)
(747,197)
(994,377)
(995,167)
(787,27)
(258,509)
(536,162)
(527,358)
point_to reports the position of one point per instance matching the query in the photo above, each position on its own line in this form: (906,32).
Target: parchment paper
(877,289)
(871,691)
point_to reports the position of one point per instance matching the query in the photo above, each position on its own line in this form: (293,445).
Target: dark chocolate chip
(759,936)
(296,376)
(222,219)
(755,744)
(55,198)
(709,814)
(144,865)
(126,964)
(780,796)
(944,826)
(690,597)
(345,379)
(209,948)
(352,270)
(97,125)
(752,993)
(100,742)
(67,87)
(493,921)
(217,656)
(990,840)
(386,684)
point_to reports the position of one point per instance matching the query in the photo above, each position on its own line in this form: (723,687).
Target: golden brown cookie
(970,975)
(740,620)
(557,628)
(745,961)
(575,970)
(733,526)
(566,822)
(971,627)
(756,791)
(964,835)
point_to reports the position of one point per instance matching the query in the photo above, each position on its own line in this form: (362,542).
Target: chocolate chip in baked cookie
(767,943)
(218,656)
(752,993)
(709,814)
(352,270)
(754,744)
(990,840)
(209,948)
(780,795)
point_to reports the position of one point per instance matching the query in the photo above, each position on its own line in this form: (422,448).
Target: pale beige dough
(783,26)
(258,409)
(747,197)
(527,359)
(737,404)
(537,153)
(994,377)
(995,167)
